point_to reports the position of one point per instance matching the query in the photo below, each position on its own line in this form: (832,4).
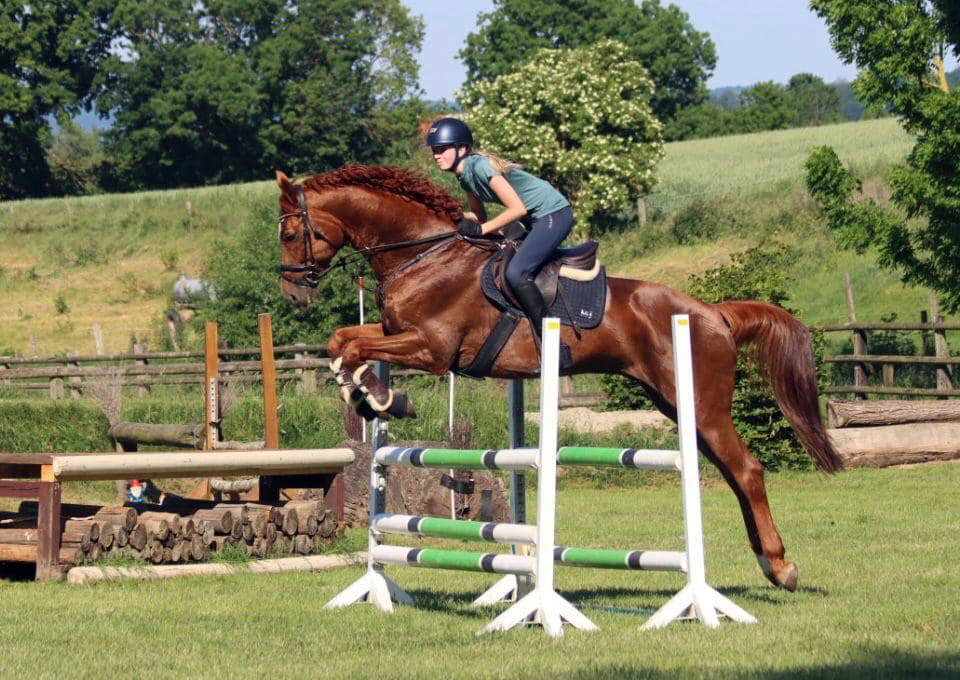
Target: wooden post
(641,212)
(48,528)
(888,375)
(271,427)
(940,347)
(56,388)
(859,339)
(139,348)
(306,377)
(211,388)
(74,381)
(98,338)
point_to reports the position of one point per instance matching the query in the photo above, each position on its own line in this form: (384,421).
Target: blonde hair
(500,165)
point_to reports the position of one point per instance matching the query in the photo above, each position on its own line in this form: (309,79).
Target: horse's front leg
(350,391)
(407,349)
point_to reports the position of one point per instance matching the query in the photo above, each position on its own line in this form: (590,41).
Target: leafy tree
(702,120)
(678,58)
(899,47)
(76,160)
(813,101)
(580,118)
(226,90)
(49,51)
(764,106)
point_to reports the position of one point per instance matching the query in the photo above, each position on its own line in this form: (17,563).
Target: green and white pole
(543,605)
(696,599)
(464,530)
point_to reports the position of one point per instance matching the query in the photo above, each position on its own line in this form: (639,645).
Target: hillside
(66,263)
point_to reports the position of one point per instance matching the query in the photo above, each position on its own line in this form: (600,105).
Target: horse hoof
(789,578)
(785,578)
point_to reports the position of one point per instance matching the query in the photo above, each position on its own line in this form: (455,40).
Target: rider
(529,199)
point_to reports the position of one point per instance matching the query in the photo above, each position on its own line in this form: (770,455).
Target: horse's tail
(782,348)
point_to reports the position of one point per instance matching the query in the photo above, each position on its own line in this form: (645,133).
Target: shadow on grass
(864,662)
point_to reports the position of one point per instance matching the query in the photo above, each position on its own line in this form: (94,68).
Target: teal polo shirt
(538,196)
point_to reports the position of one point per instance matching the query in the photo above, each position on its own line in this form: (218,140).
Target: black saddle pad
(586,299)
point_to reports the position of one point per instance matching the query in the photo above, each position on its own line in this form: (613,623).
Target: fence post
(306,377)
(859,339)
(940,347)
(143,389)
(74,381)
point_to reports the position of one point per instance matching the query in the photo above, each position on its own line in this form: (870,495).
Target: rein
(313,273)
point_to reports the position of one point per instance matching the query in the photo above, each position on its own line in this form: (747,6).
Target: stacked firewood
(160,537)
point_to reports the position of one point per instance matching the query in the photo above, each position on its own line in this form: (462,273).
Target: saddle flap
(578,263)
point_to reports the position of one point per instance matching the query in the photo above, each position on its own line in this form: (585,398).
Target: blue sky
(755,39)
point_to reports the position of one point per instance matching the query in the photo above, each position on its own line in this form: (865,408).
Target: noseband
(312,272)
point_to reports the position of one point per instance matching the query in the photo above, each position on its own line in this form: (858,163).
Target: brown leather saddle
(578,263)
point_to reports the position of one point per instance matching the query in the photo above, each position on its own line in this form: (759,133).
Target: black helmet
(449,131)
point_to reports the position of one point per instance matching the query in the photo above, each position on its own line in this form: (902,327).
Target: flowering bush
(580,119)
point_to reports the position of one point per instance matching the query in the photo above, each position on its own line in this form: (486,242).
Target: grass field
(67,263)
(877,599)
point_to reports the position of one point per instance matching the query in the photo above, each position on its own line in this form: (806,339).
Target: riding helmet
(449,131)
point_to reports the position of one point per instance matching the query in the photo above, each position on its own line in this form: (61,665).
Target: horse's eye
(288,236)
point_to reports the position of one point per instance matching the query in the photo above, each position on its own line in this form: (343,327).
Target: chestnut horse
(434,317)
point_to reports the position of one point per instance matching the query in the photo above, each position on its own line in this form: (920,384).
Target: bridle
(312,272)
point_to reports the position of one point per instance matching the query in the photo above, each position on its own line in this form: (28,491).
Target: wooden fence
(863,361)
(70,375)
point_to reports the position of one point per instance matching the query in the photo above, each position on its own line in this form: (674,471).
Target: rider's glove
(470,228)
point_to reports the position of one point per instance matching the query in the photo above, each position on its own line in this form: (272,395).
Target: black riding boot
(530,299)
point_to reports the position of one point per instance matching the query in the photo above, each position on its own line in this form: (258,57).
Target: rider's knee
(515,275)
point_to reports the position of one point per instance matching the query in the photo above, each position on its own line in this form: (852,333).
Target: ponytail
(499,165)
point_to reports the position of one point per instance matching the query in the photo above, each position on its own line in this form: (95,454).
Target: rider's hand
(470,228)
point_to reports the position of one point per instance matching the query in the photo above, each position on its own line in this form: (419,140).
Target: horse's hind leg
(720,443)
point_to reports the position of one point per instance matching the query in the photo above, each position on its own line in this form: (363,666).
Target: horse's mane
(398,181)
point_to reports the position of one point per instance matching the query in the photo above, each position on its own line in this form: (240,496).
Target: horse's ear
(286,186)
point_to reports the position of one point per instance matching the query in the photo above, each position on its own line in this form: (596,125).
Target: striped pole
(459,459)
(647,560)
(465,530)
(494,563)
(637,459)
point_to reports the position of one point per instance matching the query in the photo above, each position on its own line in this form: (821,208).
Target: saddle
(578,263)
(573,285)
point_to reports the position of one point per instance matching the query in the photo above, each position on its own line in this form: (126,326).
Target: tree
(899,46)
(678,58)
(49,52)
(812,101)
(228,90)
(580,118)
(76,160)
(763,106)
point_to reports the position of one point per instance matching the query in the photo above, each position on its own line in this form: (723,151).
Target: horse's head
(309,238)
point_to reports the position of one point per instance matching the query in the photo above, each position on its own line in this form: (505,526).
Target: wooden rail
(861,359)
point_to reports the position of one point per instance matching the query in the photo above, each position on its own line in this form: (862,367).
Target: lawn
(877,598)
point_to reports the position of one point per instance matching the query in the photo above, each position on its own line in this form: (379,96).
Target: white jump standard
(542,604)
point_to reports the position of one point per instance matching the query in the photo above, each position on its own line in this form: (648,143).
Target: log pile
(894,432)
(161,537)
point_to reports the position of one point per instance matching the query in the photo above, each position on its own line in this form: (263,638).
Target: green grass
(745,165)
(876,551)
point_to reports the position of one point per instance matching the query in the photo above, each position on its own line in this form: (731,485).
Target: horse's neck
(373,219)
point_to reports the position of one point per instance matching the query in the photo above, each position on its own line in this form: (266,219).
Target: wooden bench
(278,469)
